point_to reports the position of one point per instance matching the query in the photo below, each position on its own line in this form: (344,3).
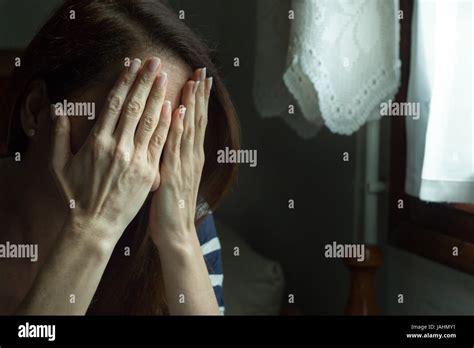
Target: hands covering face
(108,179)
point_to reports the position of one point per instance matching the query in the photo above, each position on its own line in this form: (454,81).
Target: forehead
(178,74)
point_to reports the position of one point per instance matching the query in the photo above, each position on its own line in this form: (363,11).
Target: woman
(111,199)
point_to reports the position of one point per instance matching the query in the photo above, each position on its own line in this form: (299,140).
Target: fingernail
(195,87)
(210,82)
(203,74)
(182,111)
(162,79)
(135,65)
(153,64)
(167,105)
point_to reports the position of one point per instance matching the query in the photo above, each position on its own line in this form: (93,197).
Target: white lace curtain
(335,62)
(440,144)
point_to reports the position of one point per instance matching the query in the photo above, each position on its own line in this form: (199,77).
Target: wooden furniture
(362,298)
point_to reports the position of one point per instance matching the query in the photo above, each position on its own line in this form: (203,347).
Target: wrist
(90,234)
(178,240)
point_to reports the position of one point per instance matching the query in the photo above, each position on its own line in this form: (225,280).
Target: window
(441,232)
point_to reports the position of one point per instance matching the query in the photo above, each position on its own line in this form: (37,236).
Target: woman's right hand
(106,182)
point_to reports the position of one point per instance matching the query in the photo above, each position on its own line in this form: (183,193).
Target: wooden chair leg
(362,297)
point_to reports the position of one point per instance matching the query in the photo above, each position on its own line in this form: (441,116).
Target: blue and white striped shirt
(211,250)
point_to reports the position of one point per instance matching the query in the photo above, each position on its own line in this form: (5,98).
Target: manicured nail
(153,64)
(135,65)
(203,74)
(182,111)
(210,82)
(195,87)
(167,106)
(162,79)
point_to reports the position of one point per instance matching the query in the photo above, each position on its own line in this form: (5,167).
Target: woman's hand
(187,283)
(107,181)
(173,206)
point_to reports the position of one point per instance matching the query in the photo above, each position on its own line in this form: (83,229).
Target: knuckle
(148,174)
(122,155)
(115,103)
(145,79)
(128,79)
(99,142)
(141,171)
(189,133)
(149,122)
(134,107)
(158,140)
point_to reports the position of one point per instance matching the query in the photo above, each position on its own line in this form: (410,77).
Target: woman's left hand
(188,287)
(173,206)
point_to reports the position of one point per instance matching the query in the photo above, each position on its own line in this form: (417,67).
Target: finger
(158,139)
(110,113)
(173,142)
(136,101)
(202,104)
(188,99)
(207,93)
(151,115)
(197,74)
(61,145)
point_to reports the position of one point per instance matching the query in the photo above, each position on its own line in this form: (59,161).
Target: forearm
(188,287)
(69,277)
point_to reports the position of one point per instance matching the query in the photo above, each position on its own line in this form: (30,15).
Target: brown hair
(71,53)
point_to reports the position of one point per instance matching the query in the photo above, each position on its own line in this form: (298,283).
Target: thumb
(156,183)
(61,146)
